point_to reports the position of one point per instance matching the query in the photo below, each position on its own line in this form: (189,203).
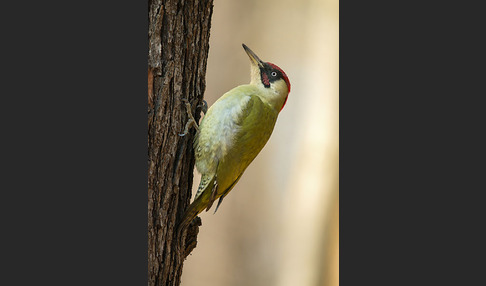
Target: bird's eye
(274,73)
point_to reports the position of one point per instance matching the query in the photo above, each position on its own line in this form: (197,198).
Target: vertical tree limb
(177,57)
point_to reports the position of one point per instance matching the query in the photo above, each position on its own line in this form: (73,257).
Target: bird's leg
(204,107)
(191,121)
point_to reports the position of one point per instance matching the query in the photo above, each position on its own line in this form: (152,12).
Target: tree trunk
(178,50)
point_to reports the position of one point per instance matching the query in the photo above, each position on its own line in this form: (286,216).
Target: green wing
(221,170)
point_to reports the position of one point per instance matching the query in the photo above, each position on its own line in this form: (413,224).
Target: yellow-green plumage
(226,145)
(231,134)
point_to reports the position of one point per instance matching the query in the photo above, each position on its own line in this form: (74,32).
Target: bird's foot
(191,121)
(204,107)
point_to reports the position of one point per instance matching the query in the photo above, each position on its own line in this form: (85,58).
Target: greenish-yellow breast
(232,133)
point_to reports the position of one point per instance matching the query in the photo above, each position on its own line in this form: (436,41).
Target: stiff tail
(201,202)
(206,194)
(194,209)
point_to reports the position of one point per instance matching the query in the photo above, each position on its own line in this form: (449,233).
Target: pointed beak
(255,60)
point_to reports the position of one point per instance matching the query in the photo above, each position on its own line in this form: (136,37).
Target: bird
(233,131)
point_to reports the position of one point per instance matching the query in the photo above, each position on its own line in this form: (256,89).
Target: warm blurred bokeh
(280,224)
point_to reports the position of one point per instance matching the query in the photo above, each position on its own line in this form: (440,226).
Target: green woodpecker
(234,130)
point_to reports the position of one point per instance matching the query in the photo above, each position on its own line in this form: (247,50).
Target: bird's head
(269,76)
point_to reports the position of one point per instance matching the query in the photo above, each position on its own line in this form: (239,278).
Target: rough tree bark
(177,56)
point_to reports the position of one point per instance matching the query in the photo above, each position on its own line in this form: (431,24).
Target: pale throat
(275,95)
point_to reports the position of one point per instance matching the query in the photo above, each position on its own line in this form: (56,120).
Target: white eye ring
(274,73)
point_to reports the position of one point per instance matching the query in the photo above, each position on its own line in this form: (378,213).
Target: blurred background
(280,224)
